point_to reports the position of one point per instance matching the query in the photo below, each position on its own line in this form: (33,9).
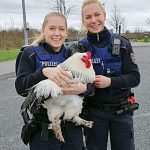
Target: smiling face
(93,17)
(55,31)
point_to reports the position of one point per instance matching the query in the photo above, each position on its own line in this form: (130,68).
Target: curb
(7,75)
(140,45)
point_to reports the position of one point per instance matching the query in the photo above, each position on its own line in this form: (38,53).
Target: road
(11,121)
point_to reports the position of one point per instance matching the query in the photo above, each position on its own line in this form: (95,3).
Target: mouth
(56,40)
(95,27)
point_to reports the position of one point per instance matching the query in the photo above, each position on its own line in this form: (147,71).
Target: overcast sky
(135,13)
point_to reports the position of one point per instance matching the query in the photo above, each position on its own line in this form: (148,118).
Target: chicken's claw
(58,134)
(88,124)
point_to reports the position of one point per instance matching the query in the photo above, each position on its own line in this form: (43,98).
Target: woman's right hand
(60,76)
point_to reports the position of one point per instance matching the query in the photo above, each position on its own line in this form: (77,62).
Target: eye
(62,29)
(97,14)
(51,28)
(87,17)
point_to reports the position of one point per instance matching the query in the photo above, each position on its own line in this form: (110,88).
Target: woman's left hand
(102,81)
(75,88)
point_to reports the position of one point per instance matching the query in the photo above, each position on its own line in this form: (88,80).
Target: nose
(93,19)
(57,32)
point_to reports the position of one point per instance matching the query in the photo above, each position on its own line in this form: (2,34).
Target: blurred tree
(73,33)
(62,6)
(148,21)
(116,19)
(139,33)
(123,25)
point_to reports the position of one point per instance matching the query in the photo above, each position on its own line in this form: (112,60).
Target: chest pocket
(104,63)
(113,65)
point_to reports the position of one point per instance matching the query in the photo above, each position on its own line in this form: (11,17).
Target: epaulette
(124,37)
(25,46)
(22,48)
(120,36)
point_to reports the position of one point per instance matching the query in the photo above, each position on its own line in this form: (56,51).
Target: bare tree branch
(116,19)
(123,25)
(62,6)
(148,21)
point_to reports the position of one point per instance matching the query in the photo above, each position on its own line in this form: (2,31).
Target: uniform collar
(100,39)
(48,47)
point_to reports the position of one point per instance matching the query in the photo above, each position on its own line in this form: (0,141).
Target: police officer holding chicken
(37,63)
(116,73)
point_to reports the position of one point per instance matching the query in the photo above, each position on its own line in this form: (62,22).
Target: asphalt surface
(7,69)
(11,121)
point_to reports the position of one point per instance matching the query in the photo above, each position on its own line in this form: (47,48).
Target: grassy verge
(6,55)
(143,40)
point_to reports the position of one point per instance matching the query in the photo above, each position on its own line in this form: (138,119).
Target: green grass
(6,55)
(143,40)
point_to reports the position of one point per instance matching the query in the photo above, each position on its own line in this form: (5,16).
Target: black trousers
(73,139)
(120,128)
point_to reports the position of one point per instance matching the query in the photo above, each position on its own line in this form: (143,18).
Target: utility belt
(128,105)
(34,125)
(104,107)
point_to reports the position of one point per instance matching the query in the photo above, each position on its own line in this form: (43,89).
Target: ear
(67,33)
(42,35)
(105,15)
(83,27)
(42,31)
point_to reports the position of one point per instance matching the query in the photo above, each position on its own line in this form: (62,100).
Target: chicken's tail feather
(29,100)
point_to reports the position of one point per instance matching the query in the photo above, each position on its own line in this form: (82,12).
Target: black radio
(116,47)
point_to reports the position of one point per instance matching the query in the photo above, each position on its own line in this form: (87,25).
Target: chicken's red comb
(86,60)
(88,54)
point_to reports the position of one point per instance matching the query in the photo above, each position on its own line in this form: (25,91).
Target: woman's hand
(60,76)
(102,81)
(75,88)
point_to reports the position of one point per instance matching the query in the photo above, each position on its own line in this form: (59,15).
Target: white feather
(46,88)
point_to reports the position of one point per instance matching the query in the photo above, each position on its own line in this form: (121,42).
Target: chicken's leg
(57,130)
(79,121)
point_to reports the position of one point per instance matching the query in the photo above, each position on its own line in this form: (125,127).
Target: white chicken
(66,107)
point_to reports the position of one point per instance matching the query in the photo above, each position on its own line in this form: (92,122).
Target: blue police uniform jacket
(107,64)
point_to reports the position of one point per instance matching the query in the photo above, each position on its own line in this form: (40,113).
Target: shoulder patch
(133,58)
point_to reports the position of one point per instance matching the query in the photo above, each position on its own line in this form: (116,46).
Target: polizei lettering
(96,61)
(49,64)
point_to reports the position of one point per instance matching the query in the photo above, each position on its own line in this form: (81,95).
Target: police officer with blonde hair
(116,73)
(37,63)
